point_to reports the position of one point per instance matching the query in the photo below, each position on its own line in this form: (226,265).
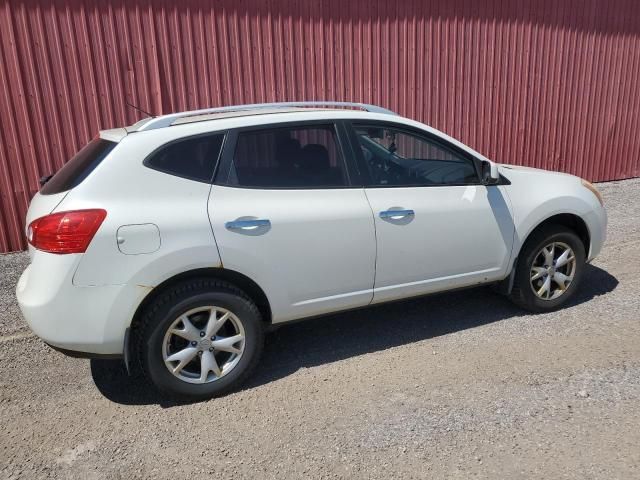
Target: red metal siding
(542,83)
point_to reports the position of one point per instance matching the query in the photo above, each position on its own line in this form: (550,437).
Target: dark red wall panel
(542,83)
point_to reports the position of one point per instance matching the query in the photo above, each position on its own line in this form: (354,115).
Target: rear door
(285,214)
(437,226)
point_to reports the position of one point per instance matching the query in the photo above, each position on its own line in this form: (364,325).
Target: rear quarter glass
(79,167)
(194,157)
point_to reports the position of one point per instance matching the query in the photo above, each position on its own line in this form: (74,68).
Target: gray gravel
(458,385)
(11,267)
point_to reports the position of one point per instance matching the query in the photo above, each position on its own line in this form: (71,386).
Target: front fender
(537,195)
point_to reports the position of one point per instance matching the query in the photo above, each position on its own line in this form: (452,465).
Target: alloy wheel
(203,344)
(553,270)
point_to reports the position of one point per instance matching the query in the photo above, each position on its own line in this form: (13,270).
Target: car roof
(248,110)
(202,121)
(239,113)
(173,123)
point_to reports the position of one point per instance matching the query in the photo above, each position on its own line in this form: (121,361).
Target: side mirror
(490,174)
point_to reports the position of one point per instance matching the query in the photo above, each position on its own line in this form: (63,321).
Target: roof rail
(167,120)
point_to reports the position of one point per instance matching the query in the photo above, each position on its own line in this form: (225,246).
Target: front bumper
(597,224)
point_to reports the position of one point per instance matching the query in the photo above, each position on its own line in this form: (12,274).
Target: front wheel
(200,339)
(549,269)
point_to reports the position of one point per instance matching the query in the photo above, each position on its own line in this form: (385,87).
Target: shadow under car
(349,334)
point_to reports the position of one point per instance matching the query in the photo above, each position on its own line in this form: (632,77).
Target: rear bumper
(77,354)
(83,321)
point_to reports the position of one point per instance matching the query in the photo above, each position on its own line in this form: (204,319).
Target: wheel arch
(569,220)
(244,283)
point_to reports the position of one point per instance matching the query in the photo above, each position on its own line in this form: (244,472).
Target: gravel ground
(457,385)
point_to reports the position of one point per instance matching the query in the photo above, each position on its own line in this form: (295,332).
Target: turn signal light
(65,232)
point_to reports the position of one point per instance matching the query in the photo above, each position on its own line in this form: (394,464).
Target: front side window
(396,157)
(194,158)
(288,157)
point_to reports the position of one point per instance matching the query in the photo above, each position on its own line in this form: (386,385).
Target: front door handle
(247,224)
(397,214)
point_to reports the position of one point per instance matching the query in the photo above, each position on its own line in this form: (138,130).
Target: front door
(437,226)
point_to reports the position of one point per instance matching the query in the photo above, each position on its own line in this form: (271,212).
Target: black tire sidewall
(530,252)
(152,346)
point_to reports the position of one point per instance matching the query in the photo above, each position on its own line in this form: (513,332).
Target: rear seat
(296,166)
(316,166)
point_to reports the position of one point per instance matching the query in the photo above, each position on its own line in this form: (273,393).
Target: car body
(352,216)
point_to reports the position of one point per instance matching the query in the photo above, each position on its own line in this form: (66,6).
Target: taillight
(65,232)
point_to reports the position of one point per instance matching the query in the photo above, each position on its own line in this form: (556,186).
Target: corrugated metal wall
(552,84)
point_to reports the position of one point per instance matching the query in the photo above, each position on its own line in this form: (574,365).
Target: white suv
(178,241)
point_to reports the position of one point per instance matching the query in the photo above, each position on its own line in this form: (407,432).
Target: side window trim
(356,174)
(147,160)
(223,171)
(367,181)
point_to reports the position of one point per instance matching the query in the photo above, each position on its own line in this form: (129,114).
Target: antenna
(139,109)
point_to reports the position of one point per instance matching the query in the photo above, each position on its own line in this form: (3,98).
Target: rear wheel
(549,269)
(200,339)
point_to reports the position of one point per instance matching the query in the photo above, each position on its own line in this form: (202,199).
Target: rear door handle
(247,224)
(396,214)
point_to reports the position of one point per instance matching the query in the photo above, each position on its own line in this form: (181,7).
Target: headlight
(595,191)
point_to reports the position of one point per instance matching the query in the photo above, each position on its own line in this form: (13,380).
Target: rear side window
(194,158)
(79,167)
(288,157)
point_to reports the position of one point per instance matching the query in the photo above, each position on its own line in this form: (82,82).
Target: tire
(195,300)
(531,256)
